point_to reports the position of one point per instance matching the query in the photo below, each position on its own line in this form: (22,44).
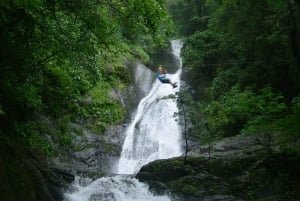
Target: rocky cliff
(234,169)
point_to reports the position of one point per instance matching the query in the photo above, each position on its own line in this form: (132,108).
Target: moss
(186,186)
(32,135)
(189,189)
(100,110)
(108,147)
(78,131)
(199,185)
(164,170)
(251,177)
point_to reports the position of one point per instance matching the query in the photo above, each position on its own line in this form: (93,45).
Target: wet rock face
(187,181)
(236,169)
(91,155)
(232,146)
(94,155)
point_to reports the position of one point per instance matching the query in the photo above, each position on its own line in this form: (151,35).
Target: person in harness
(161,76)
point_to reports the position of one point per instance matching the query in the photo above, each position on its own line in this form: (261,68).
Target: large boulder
(234,169)
(90,154)
(186,180)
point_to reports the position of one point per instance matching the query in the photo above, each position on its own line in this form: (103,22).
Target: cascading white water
(116,188)
(153,134)
(143,79)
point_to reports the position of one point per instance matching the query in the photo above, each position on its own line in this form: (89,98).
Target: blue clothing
(162,77)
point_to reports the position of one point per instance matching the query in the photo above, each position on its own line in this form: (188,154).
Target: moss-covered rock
(189,179)
(256,176)
(163,171)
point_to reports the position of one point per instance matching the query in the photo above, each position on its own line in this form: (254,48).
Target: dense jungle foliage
(59,59)
(243,60)
(242,63)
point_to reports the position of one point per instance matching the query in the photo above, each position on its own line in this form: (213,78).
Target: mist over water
(143,79)
(152,134)
(116,188)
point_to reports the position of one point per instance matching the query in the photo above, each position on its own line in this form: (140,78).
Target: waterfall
(153,134)
(143,79)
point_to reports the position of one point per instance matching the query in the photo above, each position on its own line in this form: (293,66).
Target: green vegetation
(242,59)
(62,59)
(250,177)
(63,62)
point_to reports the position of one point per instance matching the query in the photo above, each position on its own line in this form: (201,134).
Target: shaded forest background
(60,59)
(242,60)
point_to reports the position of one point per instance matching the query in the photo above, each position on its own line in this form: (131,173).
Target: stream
(152,134)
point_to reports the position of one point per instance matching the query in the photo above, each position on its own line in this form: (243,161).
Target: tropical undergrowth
(61,61)
(242,62)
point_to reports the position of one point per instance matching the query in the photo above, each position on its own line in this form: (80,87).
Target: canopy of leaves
(54,52)
(242,57)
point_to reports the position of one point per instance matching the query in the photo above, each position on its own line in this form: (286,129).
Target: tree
(54,53)
(242,58)
(53,49)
